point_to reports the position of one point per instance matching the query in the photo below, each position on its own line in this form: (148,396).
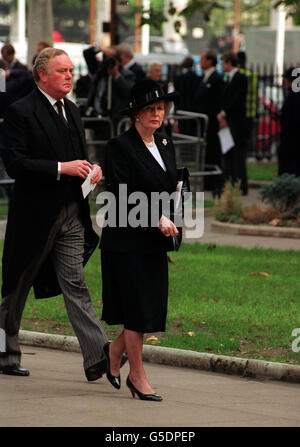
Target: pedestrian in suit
(18,79)
(49,235)
(111,83)
(8,56)
(128,61)
(233,115)
(186,85)
(207,100)
(134,258)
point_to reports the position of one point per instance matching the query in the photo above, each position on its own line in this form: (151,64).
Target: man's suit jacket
(129,162)
(288,150)
(186,85)
(234,105)
(30,147)
(207,100)
(121,87)
(208,95)
(138,72)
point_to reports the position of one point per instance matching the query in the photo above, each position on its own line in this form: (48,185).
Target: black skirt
(135,290)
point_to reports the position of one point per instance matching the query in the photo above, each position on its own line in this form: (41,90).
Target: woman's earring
(137,120)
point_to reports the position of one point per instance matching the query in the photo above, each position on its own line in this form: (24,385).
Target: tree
(215,12)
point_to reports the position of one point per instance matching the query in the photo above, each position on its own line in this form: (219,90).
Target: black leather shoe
(95,372)
(14,370)
(153,397)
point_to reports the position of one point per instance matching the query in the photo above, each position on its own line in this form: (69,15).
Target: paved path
(57,394)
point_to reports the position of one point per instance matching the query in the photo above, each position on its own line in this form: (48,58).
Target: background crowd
(228,95)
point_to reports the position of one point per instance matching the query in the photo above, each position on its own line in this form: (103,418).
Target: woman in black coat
(134,254)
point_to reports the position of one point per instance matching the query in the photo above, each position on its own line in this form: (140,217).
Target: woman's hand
(167,227)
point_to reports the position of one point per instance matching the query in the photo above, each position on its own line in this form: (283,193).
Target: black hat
(144,93)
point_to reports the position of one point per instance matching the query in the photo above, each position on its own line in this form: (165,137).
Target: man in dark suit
(110,86)
(8,55)
(233,115)
(186,84)
(128,61)
(49,233)
(288,150)
(18,79)
(207,100)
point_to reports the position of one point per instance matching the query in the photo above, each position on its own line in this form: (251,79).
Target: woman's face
(151,117)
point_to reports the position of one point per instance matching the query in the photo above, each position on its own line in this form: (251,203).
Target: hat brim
(167,97)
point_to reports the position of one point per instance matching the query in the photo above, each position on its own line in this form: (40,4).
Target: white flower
(164,142)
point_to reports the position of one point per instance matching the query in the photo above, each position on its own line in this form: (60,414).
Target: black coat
(288,151)
(138,71)
(186,85)
(207,100)
(128,161)
(30,149)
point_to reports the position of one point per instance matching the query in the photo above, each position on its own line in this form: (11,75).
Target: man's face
(205,63)
(155,73)
(7,57)
(57,81)
(226,66)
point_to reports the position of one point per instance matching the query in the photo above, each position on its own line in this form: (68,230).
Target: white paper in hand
(87,186)
(178,194)
(226,139)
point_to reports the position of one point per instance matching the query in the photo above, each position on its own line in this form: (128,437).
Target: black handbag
(183,186)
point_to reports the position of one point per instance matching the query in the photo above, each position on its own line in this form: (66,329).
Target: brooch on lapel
(164,142)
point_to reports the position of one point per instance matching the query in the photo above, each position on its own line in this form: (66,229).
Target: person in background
(233,115)
(8,56)
(207,100)
(251,99)
(39,47)
(154,72)
(186,85)
(134,258)
(18,79)
(288,150)
(128,61)
(110,87)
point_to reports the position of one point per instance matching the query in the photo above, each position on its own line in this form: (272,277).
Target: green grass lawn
(262,171)
(225,300)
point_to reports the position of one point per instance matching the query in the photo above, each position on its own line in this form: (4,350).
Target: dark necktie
(59,106)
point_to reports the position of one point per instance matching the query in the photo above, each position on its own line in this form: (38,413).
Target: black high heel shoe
(115,381)
(142,396)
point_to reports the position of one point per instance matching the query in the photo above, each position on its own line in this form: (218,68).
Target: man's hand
(222,121)
(114,72)
(76,168)
(97,175)
(167,227)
